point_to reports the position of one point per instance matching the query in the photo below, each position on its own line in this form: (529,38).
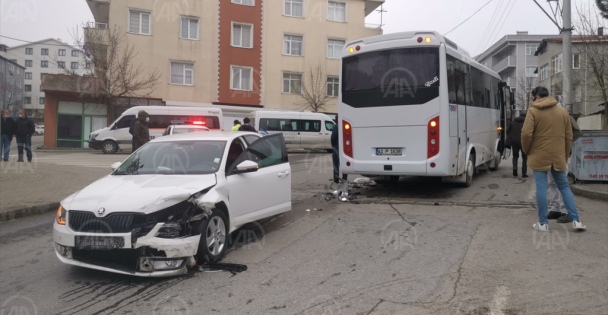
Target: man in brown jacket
(141,133)
(546,138)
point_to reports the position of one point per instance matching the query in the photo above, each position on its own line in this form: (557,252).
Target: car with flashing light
(184,128)
(173,203)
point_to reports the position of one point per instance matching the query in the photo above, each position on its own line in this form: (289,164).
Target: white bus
(413,103)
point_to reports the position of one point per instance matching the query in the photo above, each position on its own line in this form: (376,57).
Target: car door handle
(283,174)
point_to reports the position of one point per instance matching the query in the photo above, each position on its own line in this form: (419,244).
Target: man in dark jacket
(23,134)
(246,126)
(514,138)
(141,133)
(8,130)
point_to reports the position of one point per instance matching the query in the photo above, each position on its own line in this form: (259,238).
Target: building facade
(245,53)
(587,97)
(512,57)
(11,85)
(50,56)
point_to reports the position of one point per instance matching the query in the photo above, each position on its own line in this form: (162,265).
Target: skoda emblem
(101,211)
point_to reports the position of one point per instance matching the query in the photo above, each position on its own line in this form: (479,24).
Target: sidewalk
(33,188)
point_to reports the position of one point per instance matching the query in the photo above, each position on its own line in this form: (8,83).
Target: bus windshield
(405,76)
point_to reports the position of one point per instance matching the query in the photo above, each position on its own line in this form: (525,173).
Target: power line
(494,29)
(491,25)
(506,18)
(468,18)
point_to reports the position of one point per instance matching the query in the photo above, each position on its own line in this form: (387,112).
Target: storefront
(75,121)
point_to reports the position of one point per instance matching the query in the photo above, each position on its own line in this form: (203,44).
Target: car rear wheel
(109,147)
(214,237)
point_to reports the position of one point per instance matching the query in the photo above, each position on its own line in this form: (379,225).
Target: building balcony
(373,26)
(505,65)
(371,5)
(100,10)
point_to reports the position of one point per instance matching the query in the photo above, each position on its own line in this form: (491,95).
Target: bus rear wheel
(468,175)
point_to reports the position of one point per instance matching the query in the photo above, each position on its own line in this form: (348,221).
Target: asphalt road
(414,247)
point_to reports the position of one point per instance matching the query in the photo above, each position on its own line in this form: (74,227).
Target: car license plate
(389,151)
(99,242)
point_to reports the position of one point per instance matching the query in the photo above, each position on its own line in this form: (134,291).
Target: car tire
(109,147)
(214,238)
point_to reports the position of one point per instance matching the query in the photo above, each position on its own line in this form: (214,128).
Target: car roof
(211,135)
(189,126)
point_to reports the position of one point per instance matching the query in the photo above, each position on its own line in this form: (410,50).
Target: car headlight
(60,217)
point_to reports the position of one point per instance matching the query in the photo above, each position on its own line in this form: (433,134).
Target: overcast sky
(33,20)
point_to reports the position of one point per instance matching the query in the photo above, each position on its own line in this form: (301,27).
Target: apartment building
(512,57)
(44,56)
(252,53)
(11,85)
(586,92)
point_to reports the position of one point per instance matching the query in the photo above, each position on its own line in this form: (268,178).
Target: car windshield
(177,157)
(187,130)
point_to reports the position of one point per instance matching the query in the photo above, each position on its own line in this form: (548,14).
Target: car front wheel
(214,237)
(109,146)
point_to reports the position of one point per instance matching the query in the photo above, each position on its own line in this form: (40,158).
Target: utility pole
(567,55)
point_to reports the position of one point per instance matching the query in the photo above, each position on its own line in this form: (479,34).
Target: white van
(301,130)
(117,137)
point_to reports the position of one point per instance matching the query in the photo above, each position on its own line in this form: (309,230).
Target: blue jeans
(6,147)
(561,180)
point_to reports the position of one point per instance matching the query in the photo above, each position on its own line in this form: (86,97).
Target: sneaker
(554,215)
(577,225)
(515,173)
(564,219)
(541,227)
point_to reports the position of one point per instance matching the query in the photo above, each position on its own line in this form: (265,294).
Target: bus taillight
(347,138)
(433,137)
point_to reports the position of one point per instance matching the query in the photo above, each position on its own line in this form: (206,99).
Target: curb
(589,194)
(24,212)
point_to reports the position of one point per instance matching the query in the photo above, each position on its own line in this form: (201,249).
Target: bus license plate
(389,151)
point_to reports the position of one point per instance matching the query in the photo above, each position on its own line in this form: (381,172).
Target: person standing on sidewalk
(236,126)
(23,134)
(246,126)
(547,140)
(514,139)
(141,133)
(8,130)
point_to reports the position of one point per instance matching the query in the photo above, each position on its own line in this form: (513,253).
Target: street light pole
(567,55)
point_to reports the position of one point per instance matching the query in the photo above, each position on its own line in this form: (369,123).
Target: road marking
(500,301)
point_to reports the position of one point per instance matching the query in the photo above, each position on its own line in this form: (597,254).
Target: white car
(39,129)
(173,203)
(179,129)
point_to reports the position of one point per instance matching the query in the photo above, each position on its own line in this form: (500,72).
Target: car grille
(86,221)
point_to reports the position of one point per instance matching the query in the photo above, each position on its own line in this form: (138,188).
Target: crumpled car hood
(137,193)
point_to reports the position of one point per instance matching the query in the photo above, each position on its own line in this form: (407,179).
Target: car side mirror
(246,167)
(115,166)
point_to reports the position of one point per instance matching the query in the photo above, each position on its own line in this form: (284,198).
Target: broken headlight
(179,220)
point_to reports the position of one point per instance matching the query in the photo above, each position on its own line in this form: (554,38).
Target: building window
(336,11)
(139,22)
(74,65)
(29,63)
(27,100)
(557,63)
(242,35)
(292,83)
(243,2)
(28,75)
(75,53)
(241,78)
(576,61)
(544,72)
(29,51)
(44,63)
(333,85)
(18,83)
(182,73)
(531,49)
(28,88)
(294,8)
(334,48)
(530,72)
(189,28)
(41,101)
(61,64)
(61,52)
(44,51)
(292,45)
(88,65)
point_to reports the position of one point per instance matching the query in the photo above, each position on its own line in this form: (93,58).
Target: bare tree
(524,85)
(314,88)
(113,66)
(593,49)
(13,96)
